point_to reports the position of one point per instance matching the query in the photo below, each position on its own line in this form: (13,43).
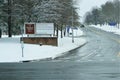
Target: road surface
(99,59)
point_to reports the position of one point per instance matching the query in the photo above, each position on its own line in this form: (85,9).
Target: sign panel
(29,28)
(44,28)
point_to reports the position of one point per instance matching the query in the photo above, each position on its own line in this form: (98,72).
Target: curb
(50,58)
(66,53)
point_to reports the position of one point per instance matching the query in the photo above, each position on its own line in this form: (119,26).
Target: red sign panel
(29,28)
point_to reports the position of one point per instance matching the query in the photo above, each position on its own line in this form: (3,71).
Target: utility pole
(9,18)
(22,32)
(72,25)
(72,28)
(118,14)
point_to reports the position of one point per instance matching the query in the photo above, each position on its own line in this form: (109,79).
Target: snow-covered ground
(108,28)
(11,51)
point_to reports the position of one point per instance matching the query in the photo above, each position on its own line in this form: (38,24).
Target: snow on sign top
(44,28)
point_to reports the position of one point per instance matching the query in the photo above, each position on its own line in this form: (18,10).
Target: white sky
(87,5)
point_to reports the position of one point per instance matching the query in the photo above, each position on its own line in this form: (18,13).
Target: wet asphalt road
(98,60)
(60,71)
(101,46)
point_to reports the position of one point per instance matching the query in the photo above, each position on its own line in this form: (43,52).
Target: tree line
(107,13)
(13,13)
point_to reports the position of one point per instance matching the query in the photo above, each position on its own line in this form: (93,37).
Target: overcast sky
(87,5)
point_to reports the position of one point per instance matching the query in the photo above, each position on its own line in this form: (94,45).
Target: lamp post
(22,32)
(71,18)
(22,43)
(72,26)
(118,13)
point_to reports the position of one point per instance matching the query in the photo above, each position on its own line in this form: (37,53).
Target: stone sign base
(41,40)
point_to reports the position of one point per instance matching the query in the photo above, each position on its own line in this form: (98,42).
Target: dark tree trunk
(57,30)
(9,19)
(61,31)
(0,33)
(9,27)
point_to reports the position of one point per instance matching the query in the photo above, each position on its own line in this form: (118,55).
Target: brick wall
(41,40)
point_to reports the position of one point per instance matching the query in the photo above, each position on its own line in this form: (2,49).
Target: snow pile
(76,32)
(108,28)
(11,51)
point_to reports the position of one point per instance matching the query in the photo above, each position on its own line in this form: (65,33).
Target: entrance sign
(39,33)
(39,28)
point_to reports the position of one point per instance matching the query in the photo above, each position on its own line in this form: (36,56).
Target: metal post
(118,14)
(22,43)
(22,31)
(22,46)
(72,26)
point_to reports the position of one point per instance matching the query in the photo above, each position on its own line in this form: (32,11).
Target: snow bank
(108,28)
